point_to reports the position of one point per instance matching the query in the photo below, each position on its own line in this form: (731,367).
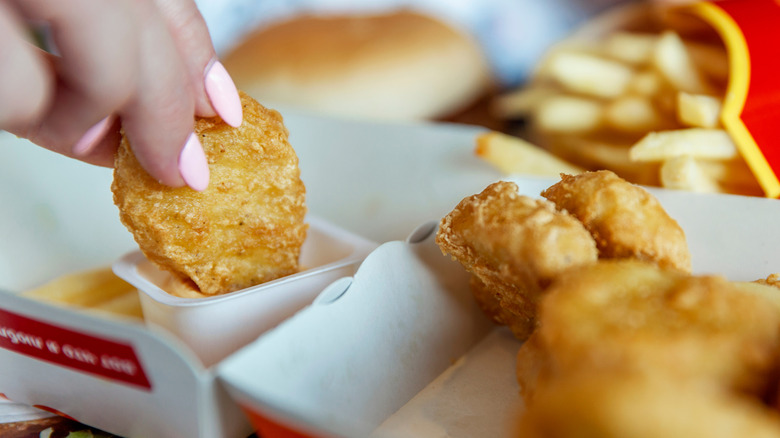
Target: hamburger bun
(394,66)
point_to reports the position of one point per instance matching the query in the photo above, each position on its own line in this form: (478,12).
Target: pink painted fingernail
(193,166)
(92,137)
(223,94)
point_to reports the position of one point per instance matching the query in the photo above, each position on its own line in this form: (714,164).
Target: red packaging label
(99,356)
(268,427)
(751,110)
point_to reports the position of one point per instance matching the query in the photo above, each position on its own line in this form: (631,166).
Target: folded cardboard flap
(346,363)
(376,358)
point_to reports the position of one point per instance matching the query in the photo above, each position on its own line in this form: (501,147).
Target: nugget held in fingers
(246,228)
(625,219)
(515,245)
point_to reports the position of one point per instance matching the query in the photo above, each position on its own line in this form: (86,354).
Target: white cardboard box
(392,378)
(378,180)
(58,217)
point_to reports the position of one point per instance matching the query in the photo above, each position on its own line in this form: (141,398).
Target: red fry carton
(750,109)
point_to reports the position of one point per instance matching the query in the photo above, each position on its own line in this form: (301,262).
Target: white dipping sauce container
(214,327)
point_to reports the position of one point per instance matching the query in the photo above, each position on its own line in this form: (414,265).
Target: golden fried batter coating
(490,305)
(515,245)
(771,280)
(631,317)
(618,406)
(246,228)
(626,220)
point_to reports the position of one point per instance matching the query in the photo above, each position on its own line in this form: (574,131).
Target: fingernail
(91,138)
(193,166)
(223,94)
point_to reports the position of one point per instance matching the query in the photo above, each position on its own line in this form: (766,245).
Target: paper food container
(140,380)
(365,347)
(401,350)
(397,348)
(115,375)
(214,327)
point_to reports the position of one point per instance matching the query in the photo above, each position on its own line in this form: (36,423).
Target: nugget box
(119,374)
(140,379)
(394,348)
(421,364)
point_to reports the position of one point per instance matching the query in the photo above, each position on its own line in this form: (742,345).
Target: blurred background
(388,59)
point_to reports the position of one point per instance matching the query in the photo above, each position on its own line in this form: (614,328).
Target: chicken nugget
(626,220)
(490,305)
(618,406)
(620,316)
(771,280)
(246,228)
(515,245)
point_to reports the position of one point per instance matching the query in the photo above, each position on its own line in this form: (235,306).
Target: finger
(102,140)
(159,121)
(215,92)
(95,72)
(25,79)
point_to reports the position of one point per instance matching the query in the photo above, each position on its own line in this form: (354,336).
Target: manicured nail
(223,94)
(92,137)
(193,166)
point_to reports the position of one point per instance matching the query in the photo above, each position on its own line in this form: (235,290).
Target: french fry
(569,114)
(512,155)
(698,110)
(631,47)
(734,176)
(633,114)
(673,61)
(521,102)
(127,304)
(684,173)
(646,83)
(735,171)
(600,154)
(711,144)
(87,289)
(711,59)
(590,75)
(644,104)
(542,72)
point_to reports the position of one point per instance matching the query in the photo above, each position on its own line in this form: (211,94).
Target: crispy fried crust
(616,406)
(625,348)
(627,316)
(246,228)
(625,220)
(515,245)
(771,280)
(489,303)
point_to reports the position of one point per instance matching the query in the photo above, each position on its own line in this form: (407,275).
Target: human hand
(147,64)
